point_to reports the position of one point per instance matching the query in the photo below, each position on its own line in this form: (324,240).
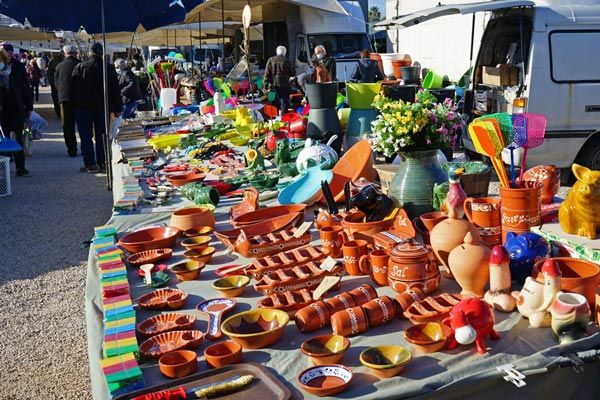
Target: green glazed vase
(412,186)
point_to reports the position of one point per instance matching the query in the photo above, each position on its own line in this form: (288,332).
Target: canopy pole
(223,29)
(107,156)
(130,47)
(200,38)
(472,40)
(192,52)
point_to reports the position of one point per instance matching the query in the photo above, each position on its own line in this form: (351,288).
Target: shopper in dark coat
(278,72)
(56,59)
(129,87)
(34,74)
(62,80)
(87,94)
(321,57)
(16,100)
(366,70)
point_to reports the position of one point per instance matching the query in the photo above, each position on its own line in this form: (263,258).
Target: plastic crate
(5,188)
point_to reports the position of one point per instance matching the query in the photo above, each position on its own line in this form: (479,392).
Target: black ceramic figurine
(373,203)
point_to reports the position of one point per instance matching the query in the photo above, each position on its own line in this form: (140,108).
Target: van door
(302,54)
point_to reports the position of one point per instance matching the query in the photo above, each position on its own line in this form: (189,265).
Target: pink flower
(429,141)
(450,115)
(448,102)
(442,130)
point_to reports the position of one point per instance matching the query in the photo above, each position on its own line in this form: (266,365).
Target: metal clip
(512,375)
(577,363)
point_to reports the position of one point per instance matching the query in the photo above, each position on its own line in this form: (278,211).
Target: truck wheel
(589,156)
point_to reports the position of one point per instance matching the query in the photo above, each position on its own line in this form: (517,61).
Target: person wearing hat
(86,91)
(130,88)
(16,100)
(62,80)
(278,72)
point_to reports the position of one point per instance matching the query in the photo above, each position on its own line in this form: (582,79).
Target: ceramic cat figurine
(579,214)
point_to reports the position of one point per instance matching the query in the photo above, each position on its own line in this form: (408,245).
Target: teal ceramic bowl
(307,188)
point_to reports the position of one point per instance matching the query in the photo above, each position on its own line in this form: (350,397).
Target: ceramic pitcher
(332,239)
(376,265)
(353,250)
(570,316)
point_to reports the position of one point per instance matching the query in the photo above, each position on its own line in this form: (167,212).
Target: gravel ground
(43,224)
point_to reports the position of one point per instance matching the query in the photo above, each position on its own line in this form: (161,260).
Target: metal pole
(223,28)
(472,40)
(200,38)
(107,156)
(192,51)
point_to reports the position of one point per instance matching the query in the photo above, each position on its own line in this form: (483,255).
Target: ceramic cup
(332,239)
(375,265)
(206,195)
(363,293)
(483,211)
(353,250)
(340,302)
(520,209)
(313,317)
(570,316)
(380,311)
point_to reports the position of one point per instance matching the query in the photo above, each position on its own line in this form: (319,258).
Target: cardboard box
(501,75)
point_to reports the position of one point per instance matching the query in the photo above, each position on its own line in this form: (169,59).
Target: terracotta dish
(271,243)
(327,349)
(265,214)
(163,298)
(355,163)
(204,255)
(229,270)
(177,364)
(196,242)
(578,276)
(158,345)
(228,237)
(385,361)
(307,276)
(188,177)
(199,231)
(231,286)
(149,257)
(289,301)
(187,270)
(428,337)
(284,260)
(214,309)
(192,217)
(256,328)
(356,229)
(248,204)
(165,323)
(325,380)
(224,353)
(156,268)
(432,309)
(149,239)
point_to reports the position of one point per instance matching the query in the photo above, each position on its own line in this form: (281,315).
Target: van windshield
(340,45)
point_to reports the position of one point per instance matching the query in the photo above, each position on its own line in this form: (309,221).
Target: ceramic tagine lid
(410,250)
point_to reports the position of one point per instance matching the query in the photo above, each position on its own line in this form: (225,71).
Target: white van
(560,75)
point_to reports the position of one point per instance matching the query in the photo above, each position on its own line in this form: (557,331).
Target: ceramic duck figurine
(456,195)
(499,295)
(535,298)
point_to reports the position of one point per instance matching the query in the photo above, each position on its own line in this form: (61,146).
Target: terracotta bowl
(327,349)
(325,380)
(431,219)
(178,364)
(385,361)
(159,345)
(356,229)
(199,231)
(428,337)
(192,217)
(221,354)
(149,257)
(578,276)
(231,286)
(188,177)
(162,299)
(204,255)
(149,239)
(165,323)
(196,242)
(188,270)
(257,328)
(268,213)
(357,162)
(228,270)
(156,268)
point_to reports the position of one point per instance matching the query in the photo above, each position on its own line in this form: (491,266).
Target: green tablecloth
(454,374)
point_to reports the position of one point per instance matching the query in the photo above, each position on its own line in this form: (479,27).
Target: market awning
(174,34)
(7,33)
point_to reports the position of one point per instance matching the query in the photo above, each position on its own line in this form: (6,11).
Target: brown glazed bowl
(178,363)
(149,257)
(231,286)
(199,231)
(204,255)
(578,276)
(356,229)
(159,345)
(196,242)
(188,270)
(257,328)
(165,323)
(163,298)
(431,219)
(266,214)
(428,337)
(149,239)
(385,361)
(325,380)
(224,353)
(192,217)
(326,349)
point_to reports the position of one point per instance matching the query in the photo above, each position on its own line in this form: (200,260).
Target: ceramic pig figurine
(579,214)
(499,295)
(471,321)
(524,250)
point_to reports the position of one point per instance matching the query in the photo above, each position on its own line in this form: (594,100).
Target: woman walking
(34,73)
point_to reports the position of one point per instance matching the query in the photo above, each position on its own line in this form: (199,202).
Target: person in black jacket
(56,59)
(16,100)
(366,70)
(62,80)
(278,72)
(130,88)
(87,94)
(321,57)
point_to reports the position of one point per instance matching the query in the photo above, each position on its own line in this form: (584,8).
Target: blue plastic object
(359,121)
(9,146)
(307,188)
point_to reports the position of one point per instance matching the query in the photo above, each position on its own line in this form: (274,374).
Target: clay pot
(353,250)
(313,317)
(332,238)
(385,361)
(231,286)
(448,234)
(363,293)
(196,242)
(349,322)
(222,354)
(356,229)
(187,270)
(326,349)
(204,255)
(407,298)
(470,267)
(257,328)
(521,209)
(428,337)
(483,211)
(431,219)
(192,217)
(178,364)
(149,239)
(578,276)
(325,380)
(339,302)
(376,266)
(570,316)
(546,175)
(380,311)
(412,265)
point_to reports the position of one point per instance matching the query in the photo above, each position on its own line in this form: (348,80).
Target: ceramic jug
(570,316)
(376,266)
(352,251)
(412,265)
(332,239)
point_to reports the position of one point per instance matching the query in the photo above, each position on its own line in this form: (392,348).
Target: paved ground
(43,351)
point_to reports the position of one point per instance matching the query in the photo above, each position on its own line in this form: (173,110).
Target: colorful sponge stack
(119,365)
(132,193)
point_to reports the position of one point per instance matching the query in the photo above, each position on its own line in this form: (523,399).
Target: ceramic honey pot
(499,295)
(412,265)
(353,250)
(376,266)
(469,263)
(570,316)
(332,239)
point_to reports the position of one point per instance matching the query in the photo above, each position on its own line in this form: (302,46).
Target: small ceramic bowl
(179,363)
(428,337)
(256,328)
(221,354)
(203,255)
(227,270)
(188,270)
(199,231)
(325,380)
(231,286)
(196,242)
(326,349)
(385,361)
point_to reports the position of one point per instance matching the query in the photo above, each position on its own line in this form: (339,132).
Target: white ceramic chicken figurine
(499,295)
(456,195)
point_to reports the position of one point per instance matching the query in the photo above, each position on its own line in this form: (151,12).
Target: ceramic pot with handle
(570,316)
(376,266)
(332,239)
(413,265)
(353,250)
